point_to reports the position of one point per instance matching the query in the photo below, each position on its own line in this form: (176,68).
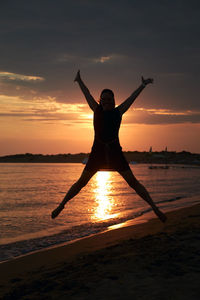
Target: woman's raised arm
(90,100)
(124,106)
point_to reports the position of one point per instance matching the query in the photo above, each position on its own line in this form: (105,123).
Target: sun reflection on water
(104,201)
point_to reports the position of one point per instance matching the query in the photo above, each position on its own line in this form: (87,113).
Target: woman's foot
(57,211)
(160,215)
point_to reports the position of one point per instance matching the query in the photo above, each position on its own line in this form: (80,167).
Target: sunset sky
(113,43)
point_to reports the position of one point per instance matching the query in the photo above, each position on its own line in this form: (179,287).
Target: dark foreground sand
(144,261)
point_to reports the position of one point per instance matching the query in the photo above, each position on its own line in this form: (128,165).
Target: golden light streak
(104,201)
(104,58)
(38,107)
(87,116)
(168,112)
(14,76)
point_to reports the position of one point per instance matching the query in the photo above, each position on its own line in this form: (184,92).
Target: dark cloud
(53,39)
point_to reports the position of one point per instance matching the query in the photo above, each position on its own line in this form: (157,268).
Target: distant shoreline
(163,157)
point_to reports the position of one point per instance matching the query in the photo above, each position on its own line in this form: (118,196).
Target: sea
(29,193)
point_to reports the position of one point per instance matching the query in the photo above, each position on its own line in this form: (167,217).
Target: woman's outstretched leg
(142,192)
(73,191)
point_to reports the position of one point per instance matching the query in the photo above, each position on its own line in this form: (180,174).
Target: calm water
(29,192)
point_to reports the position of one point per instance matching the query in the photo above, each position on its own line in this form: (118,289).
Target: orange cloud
(19,77)
(161,116)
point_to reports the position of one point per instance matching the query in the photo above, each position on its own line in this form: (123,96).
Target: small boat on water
(132,162)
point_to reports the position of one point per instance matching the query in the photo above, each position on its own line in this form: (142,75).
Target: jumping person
(106,150)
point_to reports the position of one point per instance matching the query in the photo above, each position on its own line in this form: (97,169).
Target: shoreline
(74,244)
(151,157)
(185,164)
(29,268)
(145,217)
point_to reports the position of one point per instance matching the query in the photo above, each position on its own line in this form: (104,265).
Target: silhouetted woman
(106,150)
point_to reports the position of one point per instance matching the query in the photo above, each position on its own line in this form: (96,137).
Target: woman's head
(107,99)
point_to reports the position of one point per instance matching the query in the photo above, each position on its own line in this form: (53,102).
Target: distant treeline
(165,157)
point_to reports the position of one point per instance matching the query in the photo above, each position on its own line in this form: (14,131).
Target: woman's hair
(107,91)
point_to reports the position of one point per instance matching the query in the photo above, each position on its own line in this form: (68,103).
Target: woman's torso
(106,125)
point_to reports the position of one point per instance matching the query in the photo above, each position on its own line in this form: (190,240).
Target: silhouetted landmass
(41,158)
(165,157)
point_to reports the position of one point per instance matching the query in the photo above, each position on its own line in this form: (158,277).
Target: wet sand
(150,260)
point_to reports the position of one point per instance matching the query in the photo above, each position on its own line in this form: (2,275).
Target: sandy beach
(149,260)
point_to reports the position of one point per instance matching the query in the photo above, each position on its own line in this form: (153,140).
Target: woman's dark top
(106,151)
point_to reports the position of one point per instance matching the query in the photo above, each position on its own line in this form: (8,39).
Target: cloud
(161,116)
(43,110)
(114,42)
(88,60)
(19,77)
(48,109)
(102,59)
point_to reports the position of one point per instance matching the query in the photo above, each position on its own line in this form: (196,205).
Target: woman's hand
(78,76)
(146,81)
